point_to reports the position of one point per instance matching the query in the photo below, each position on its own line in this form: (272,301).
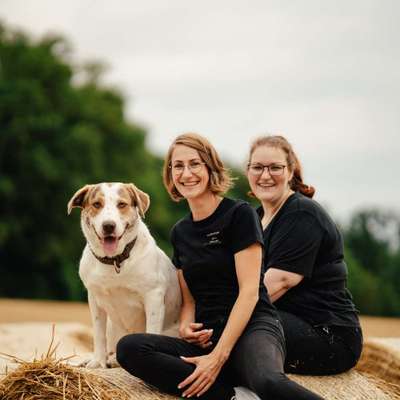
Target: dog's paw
(80,360)
(92,362)
(95,363)
(112,361)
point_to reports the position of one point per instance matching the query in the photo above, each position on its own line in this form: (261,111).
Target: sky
(324,74)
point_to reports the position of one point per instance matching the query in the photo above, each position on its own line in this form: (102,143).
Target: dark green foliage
(373,258)
(363,237)
(56,137)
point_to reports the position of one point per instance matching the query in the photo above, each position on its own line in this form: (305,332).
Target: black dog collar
(116,260)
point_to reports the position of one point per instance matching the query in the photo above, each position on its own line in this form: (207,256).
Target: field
(36,311)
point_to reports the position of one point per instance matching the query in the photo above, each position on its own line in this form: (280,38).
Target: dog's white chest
(116,294)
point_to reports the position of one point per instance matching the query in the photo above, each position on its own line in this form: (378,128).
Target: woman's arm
(278,282)
(294,245)
(189,330)
(188,304)
(248,269)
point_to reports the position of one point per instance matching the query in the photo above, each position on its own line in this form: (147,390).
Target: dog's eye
(96,204)
(122,204)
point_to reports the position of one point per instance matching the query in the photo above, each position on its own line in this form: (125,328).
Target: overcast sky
(326,74)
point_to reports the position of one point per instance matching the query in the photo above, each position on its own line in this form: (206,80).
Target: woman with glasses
(229,332)
(305,270)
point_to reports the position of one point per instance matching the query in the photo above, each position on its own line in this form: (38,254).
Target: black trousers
(322,350)
(255,362)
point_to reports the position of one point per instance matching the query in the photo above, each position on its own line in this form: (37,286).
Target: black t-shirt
(303,239)
(205,250)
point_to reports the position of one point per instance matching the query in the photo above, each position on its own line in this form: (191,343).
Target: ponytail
(296,183)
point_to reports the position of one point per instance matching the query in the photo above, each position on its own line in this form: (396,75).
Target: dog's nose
(108,227)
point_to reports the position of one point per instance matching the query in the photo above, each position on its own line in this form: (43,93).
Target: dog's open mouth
(110,244)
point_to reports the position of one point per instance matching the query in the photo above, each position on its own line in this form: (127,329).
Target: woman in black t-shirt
(228,326)
(305,271)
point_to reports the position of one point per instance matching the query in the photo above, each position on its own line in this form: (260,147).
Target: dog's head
(110,214)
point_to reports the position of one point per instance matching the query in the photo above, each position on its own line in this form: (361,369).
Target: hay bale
(54,379)
(134,387)
(350,385)
(49,378)
(380,360)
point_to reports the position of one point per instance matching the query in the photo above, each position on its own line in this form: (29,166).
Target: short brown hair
(220,178)
(277,141)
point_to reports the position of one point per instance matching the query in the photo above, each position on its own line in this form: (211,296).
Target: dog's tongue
(110,245)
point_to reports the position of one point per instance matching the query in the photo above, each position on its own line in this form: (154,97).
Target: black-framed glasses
(193,166)
(273,169)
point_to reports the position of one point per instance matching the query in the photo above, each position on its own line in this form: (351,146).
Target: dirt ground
(55,311)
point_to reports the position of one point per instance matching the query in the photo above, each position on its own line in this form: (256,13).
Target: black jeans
(322,350)
(255,362)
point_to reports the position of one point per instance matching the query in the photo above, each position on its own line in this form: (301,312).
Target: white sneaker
(242,393)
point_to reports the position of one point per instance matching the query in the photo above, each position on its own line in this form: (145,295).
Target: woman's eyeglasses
(193,166)
(273,169)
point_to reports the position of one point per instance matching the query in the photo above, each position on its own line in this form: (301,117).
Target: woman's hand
(205,374)
(193,333)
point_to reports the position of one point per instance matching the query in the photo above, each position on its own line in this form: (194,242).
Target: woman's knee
(267,385)
(129,349)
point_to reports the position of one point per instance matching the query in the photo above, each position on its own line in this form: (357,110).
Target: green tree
(373,256)
(55,137)
(363,238)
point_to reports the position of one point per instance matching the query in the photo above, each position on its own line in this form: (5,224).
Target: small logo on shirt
(213,238)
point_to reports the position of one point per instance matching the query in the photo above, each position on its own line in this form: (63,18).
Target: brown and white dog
(132,285)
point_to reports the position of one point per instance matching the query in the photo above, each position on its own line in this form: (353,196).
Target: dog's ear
(141,199)
(78,198)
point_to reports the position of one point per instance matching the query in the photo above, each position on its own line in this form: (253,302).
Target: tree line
(57,135)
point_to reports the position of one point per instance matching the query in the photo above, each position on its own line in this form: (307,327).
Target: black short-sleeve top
(303,239)
(205,251)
